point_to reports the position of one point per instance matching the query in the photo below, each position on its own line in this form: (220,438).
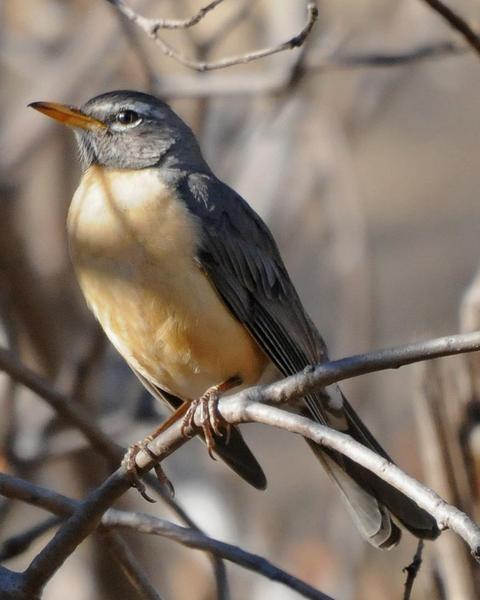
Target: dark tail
(239,457)
(371,500)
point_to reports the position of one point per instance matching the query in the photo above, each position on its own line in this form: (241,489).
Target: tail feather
(371,500)
(370,516)
(238,456)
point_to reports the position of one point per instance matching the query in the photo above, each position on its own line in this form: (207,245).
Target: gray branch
(152,27)
(249,406)
(15,488)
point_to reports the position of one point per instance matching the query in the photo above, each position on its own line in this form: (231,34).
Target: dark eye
(127,117)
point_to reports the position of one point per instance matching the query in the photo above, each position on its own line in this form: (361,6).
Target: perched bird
(189,286)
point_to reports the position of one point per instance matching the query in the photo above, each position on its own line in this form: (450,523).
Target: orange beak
(69,115)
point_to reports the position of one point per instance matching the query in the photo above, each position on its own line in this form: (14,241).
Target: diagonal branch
(152,28)
(77,416)
(60,505)
(237,409)
(456,22)
(245,407)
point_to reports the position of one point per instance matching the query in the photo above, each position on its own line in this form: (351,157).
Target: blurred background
(368,176)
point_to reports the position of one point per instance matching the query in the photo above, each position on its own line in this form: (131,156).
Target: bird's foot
(130,467)
(211,421)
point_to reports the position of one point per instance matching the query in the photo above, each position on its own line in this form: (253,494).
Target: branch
(17,544)
(314,378)
(144,523)
(456,22)
(152,27)
(239,408)
(245,407)
(130,566)
(15,488)
(412,571)
(77,416)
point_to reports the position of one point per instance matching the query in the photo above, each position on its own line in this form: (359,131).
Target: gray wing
(241,259)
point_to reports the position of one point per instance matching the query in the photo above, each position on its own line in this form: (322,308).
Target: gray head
(125,129)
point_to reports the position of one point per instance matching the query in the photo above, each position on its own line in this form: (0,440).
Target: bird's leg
(130,466)
(211,421)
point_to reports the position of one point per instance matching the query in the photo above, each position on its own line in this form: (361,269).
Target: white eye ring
(126,119)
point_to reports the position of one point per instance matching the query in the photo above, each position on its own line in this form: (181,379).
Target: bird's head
(124,129)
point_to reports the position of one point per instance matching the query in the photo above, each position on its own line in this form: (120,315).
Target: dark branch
(15,488)
(75,415)
(412,571)
(245,407)
(456,22)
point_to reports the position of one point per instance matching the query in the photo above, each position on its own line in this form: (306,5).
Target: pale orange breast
(133,245)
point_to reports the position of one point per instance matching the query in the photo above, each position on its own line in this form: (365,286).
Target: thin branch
(247,57)
(240,408)
(456,22)
(151,26)
(71,412)
(16,488)
(76,415)
(17,544)
(235,84)
(354,60)
(144,523)
(120,551)
(314,378)
(237,409)
(412,571)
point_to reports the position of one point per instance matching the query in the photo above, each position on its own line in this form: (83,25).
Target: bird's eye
(127,117)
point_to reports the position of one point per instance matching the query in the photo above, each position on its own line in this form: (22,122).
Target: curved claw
(130,467)
(211,422)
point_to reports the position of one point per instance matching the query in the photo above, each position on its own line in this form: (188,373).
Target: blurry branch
(19,543)
(152,27)
(60,505)
(247,406)
(120,551)
(456,22)
(148,524)
(226,27)
(144,62)
(412,571)
(440,413)
(448,421)
(77,416)
(272,82)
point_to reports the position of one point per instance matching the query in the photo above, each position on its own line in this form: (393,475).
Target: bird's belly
(182,345)
(135,264)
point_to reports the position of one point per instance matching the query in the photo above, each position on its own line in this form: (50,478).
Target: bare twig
(72,413)
(313,378)
(412,571)
(236,409)
(76,415)
(239,408)
(15,488)
(151,26)
(456,22)
(153,32)
(130,566)
(245,407)
(144,523)
(17,544)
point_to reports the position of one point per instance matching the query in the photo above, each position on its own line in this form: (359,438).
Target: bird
(189,286)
